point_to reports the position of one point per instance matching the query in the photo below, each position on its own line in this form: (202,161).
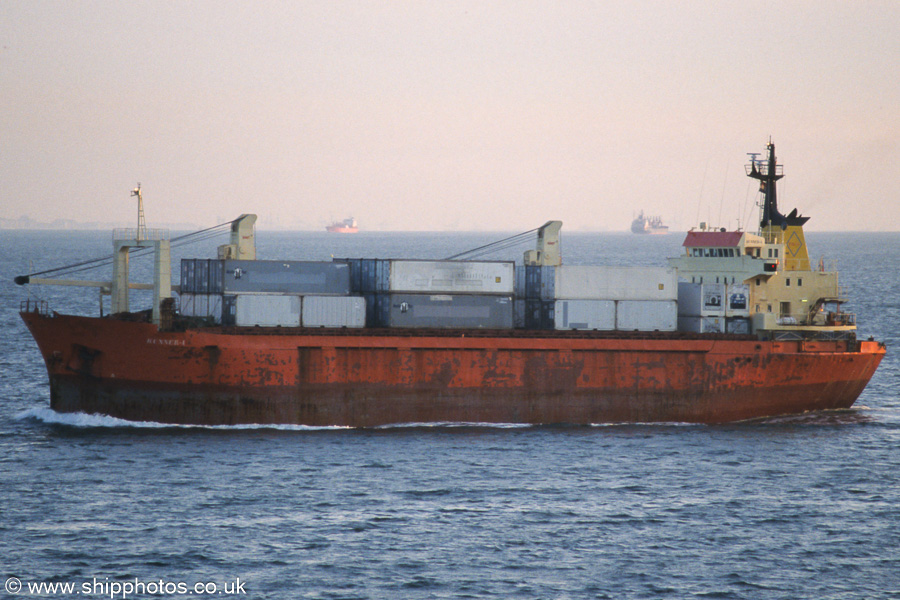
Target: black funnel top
(768,172)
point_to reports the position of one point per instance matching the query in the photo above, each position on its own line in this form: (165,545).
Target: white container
(201,305)
(186,304)
(701,324)
(585,314)
(214,307)
(446,276)
(737,300)
(575,282)
(701,299)
(334,311)
(267,310)
(646,315)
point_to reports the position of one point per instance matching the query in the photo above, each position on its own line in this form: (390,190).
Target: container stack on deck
(434,294)
(601,298)
(270,293)
(400,293)
(713,307)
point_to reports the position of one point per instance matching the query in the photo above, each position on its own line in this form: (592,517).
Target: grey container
(740,325)
(286,277)
(216,276)
(267,310)
(519,313)
(702,324)
(464,311)
(334,311)
(452,277)
(201,275)
(568,282)
(647,315)
(539,282)
(201,305)
(367,275)
(701,299)
(229,310)
(539,314)
(585,314)
(188,283)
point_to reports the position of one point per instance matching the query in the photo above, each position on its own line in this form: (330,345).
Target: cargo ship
(345,226)
(739,326)
(648,225)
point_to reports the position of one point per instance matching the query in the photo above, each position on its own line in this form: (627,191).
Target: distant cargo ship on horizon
(346,226)
(645,224)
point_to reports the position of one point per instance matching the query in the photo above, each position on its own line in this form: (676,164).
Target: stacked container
(714,307)
(269,293)
(701,307)
(439,294)
(737,308)
(602,298)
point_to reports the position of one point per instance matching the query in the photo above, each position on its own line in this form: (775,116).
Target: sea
(806,506)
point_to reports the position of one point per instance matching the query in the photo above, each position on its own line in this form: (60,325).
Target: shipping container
(333,311)
(201,305)
(701,299)
(647,315)
(739,325)
(214,307)
(201,276)
(186,302)
(367,275)
(216,274)
(585,314)
(286,277)
(520,282)
(701,324)
(187,282)
(519,313)
(539,314)
(452,277)
(445,311)
(535,278)
(229,309)
(268,310)
(576,282)
(737,296)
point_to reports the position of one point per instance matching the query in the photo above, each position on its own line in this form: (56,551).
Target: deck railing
(36,306)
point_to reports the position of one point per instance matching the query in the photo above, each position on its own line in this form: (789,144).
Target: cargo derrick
(371,342)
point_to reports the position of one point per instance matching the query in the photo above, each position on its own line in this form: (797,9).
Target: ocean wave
(85,420)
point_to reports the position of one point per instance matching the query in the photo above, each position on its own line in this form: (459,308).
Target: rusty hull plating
(368,378)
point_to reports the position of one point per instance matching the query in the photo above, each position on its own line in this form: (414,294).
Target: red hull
(369,378)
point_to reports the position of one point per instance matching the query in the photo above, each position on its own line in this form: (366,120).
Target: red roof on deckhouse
(713,239)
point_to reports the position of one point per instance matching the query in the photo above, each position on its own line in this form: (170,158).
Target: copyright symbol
(13,585)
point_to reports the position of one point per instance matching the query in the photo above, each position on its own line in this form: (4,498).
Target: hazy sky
(449,115)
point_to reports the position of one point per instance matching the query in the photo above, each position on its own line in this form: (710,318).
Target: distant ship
(645,224)
(345,226)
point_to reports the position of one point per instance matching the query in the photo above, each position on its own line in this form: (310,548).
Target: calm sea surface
(802,507)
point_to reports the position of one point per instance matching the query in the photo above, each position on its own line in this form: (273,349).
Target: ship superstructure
(785,297)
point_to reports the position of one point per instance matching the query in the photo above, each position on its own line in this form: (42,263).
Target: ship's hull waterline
(229,376)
